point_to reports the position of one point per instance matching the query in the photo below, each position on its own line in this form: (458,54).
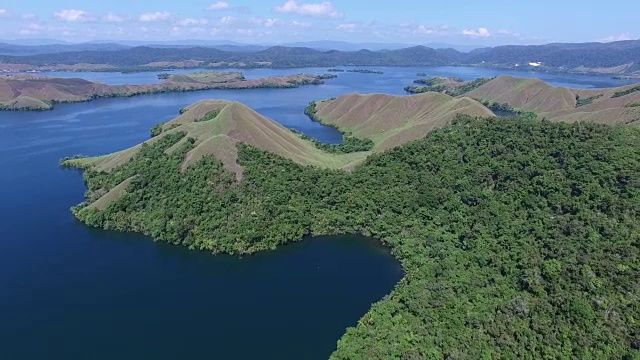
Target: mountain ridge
(613,58)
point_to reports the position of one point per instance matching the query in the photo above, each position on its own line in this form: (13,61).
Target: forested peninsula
(34,92)
(520,237)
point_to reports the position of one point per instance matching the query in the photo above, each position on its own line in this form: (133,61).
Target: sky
(487,22)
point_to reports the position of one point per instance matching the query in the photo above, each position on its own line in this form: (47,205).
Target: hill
(614,105)
(615,58)
(519,238)
(394,120)
(33,92)
(216,127)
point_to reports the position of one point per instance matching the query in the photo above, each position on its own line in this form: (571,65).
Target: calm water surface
(70,292)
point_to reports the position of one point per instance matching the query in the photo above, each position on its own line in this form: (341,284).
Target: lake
(71,292)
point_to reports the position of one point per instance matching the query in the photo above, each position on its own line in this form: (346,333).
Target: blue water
(71,292)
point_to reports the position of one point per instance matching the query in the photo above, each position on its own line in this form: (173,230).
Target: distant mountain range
(606,58)
(48,46)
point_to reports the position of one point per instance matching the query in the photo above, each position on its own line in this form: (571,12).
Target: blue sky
(488,22)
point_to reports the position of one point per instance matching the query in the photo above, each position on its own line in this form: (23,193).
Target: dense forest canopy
(519,238)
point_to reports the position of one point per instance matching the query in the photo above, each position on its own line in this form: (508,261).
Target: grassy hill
(217,127)
(394,120)
(613,105)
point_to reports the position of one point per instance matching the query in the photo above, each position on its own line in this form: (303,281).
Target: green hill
(519,238)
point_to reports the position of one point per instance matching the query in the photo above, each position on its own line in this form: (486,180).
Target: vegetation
(366,71)
(350,143)
(327,76)
(520,239)
(436,81)
(209,116)
(335,70)
(633,104)
(586,101)
(506,110)
(626,92)
(449,86)
(163,76)
(157,129)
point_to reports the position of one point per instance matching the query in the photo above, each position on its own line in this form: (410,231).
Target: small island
(35,92)
(364,71)
(448,85)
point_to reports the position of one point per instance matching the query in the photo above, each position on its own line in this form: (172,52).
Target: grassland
(562,104)
(394,120)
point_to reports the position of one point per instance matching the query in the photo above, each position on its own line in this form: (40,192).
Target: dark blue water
(70,292)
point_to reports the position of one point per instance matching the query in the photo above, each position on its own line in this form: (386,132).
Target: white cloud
(621,37)
(219,6)
(155,16)
(227,20)
(351,27)
(113,18)
(36,29)
(192,22)
(73,15)
(510,33)
(266,22)
(29,17)
(300,24)
(480,32)
(31,29)
(412,28)
(272,22)
(4,12)
(324,9)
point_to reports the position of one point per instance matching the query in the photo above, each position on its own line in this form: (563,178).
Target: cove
(127,297)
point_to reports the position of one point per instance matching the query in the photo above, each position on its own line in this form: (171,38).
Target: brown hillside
(234,123)
(393,120)
(559,103)
(528,94)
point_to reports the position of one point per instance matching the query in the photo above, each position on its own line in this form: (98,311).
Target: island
(35,92)
(518,235)
(364,71)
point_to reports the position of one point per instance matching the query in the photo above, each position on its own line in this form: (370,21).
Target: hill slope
(614,105)
(217,127)
(394,120)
